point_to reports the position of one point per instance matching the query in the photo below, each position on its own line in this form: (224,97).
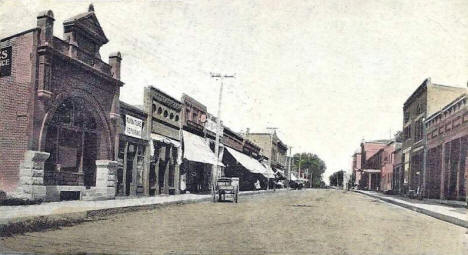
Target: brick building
(371,164)
(198,159)
(272,148)
(427,99)
(446,175)
(397,171)
(163,129)
(60,111)
(133,144)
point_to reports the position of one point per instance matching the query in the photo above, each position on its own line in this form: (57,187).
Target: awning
(280,172)
(250,163)
(164,139)
(197,149)
(269,172)
(293,177)
(371,170)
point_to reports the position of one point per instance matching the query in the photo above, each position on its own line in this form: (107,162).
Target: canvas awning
(280,172)
(164,139)
(371,171)
(197,149)
(249,163)
(293,177)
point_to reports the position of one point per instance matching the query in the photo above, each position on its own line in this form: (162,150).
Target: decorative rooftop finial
(91,8)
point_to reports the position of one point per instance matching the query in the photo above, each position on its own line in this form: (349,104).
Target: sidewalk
(457,216)
(78,210)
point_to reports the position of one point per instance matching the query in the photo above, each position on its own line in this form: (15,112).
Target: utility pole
(271,151)
(215,169)
(289,165)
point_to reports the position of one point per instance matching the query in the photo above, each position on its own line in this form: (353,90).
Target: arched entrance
(72,139)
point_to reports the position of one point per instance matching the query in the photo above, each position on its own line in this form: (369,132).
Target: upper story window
(418,109)
(406,116)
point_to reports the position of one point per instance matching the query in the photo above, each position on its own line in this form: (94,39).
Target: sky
(326,73)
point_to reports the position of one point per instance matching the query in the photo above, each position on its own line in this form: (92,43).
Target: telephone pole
(215,169)
(271,152)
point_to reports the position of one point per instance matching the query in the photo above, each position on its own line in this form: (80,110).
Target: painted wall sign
(5,61)
(133,126)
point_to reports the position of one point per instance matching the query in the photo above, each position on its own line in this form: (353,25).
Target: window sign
(5,61)
(133,126)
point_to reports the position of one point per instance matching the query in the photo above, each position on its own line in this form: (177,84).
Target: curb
(439,216)
(55,221)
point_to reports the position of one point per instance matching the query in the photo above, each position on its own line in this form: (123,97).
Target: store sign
(5,61)
(133,126)
(211,125)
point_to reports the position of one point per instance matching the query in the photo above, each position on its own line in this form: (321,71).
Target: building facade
(133,143)
(198,159)
(356,168)
(272,148)
(446,175)
(162,174)
(60,111)
(427,99)
(371,164)
(397,171)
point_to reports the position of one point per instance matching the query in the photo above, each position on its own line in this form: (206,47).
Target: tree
(313,163)
(336,179)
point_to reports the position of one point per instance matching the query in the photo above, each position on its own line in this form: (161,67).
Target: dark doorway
(72,140)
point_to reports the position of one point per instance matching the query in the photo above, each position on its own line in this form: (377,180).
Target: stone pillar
(105,179)
(31,182)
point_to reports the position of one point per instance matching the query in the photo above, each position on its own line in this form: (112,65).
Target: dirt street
(297,222)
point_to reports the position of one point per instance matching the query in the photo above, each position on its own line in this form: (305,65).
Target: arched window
(72,139)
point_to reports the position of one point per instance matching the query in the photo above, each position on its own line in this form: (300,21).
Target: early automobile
(226,187)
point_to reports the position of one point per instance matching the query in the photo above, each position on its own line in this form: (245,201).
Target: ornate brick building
(427,99)
(60,111)
(446,175)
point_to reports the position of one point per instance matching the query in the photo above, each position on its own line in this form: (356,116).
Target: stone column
(31,182)
(105,179)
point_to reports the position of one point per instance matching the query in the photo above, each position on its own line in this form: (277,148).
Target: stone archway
(75,132)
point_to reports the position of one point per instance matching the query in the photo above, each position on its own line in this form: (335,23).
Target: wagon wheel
(219,195)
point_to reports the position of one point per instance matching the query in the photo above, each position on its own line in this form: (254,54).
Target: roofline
(19,34)
(133,108)
(164,93)
(454,102)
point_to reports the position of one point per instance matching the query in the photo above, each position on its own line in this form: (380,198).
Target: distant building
(446,175)
(371,163)
(273,148)
(356,168)
(427,99)
(397,171)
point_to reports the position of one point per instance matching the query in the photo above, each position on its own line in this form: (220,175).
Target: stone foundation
(31,182)
(106,179)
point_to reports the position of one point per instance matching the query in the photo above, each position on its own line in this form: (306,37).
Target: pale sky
(325,73)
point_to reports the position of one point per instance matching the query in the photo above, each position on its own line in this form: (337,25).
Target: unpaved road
(298,222)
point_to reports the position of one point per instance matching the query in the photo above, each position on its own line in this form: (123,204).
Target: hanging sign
(133,126)
(5,61)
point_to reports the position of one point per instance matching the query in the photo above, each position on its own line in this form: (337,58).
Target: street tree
(336,179)
(312,163)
